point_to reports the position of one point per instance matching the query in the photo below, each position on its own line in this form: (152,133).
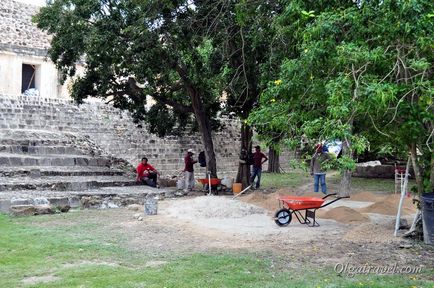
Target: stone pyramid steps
(59,171)
(38,164)
(62,183)
(12,159)
(39,150)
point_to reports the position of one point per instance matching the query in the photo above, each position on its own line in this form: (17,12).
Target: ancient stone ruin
(53,148)
(55,154)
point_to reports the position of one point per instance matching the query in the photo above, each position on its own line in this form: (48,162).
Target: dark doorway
(28,76)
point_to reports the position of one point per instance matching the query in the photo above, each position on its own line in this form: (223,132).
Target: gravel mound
(212,207)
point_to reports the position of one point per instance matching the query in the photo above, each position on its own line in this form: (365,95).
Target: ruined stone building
(42,130)
(23,50)
(49,145)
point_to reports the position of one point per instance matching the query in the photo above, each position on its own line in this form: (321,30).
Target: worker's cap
(190,151)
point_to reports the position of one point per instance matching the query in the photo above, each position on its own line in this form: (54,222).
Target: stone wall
(114,131)
(17,32)
(21,42)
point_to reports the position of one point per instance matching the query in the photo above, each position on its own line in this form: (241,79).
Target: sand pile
(266,201)
(287,191)
(369,232)
(212,207)
(367,197)
(343,214)
(389,206)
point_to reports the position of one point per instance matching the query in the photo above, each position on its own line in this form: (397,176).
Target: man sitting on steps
(146,174)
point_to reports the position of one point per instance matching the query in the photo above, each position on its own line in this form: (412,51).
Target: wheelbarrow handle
(334,200)
(335,194)
(328,195)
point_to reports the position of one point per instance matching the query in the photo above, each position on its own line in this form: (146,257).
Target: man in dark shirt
(258,157)
(189,170)
(146,174)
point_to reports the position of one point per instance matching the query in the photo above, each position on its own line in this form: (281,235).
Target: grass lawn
(74,256)
(292,179)
(298,177)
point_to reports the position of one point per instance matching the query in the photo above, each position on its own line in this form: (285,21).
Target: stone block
(22,210)
(35,173)
(21,201)
(5,205)
(91,202)
(167,182)
(83,162)
(135,207)
(74,202)
(44,209)
(16,161)
(4,161)
(41,201)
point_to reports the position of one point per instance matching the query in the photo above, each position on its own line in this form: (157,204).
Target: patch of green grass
(81,259)
(298,177)
(283,180)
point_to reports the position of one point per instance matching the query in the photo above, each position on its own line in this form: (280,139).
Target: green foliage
(360,72)
(135,49)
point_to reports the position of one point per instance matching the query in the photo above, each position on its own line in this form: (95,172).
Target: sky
(33,2)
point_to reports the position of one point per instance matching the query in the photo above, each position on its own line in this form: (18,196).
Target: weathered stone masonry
(114,131)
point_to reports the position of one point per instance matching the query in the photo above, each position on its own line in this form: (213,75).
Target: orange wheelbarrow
(294,205)
(215,183)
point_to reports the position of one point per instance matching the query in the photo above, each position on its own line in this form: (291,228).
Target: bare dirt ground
(221,224)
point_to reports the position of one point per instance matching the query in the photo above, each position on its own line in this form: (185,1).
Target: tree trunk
(273,161)
(201,118)
(345,186)
(205,129)
(416,168)
(243,175)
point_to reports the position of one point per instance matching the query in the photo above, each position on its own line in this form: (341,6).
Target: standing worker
(257,166)
(317,169)
(189,170)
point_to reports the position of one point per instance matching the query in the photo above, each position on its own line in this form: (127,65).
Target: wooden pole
(403,193)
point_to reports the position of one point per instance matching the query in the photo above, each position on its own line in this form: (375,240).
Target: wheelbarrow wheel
(283,217)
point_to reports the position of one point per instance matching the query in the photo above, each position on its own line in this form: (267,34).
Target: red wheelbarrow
(293,205)
(215,184)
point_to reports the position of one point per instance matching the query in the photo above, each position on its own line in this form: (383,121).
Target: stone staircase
(115,132)
(53,151)
(45,167)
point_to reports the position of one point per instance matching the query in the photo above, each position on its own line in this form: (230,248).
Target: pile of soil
(266,201)
(212,207)
(366,197)
(389,206)
(369,232)
(343,214)
(299,192)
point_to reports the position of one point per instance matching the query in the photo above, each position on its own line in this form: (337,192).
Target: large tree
(244,29)
(351,62)
(134,49)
